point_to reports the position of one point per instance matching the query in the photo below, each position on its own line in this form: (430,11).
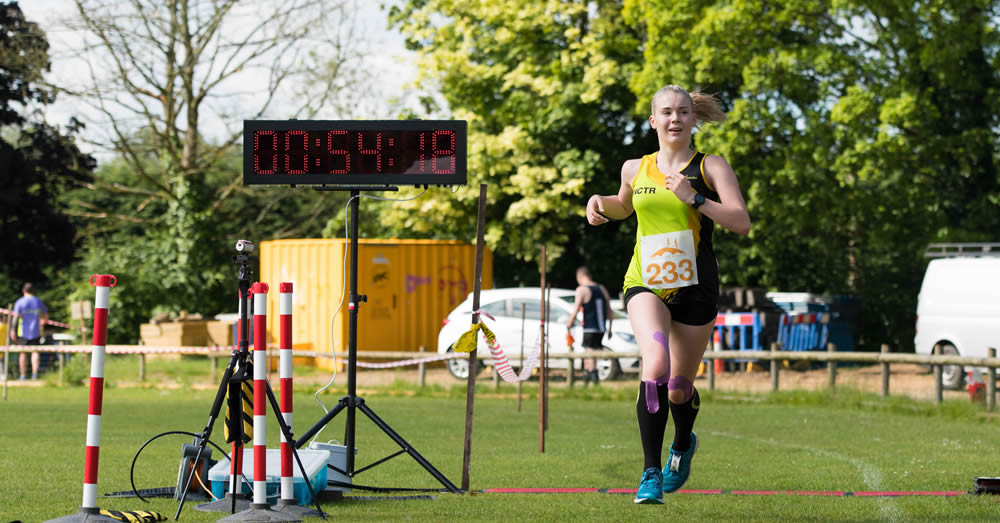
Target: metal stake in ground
(89,510)
(541,360)
(470,390)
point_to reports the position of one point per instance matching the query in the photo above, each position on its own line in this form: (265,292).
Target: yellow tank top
(673,254)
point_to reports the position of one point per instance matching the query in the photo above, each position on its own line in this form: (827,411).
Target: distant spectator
(593,299)
(29,315)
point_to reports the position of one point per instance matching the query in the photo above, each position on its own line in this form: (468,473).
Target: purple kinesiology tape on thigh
(681,383)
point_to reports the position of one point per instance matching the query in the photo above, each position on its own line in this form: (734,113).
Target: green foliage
(860,131)
(543,87)
(38,162)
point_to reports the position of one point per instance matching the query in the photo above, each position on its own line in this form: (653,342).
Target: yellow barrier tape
(467,342)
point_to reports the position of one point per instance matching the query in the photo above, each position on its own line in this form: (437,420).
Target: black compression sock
(652,425)
(684,415)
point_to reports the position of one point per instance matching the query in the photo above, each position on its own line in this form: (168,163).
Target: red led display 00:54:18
(353,152)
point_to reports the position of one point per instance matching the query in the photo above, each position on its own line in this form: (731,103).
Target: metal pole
(470,395)
(541,361)
(519,382)
(548,364)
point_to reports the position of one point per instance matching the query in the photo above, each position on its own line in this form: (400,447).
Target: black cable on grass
(131,473)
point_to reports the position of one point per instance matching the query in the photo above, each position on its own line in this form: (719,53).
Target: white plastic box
(314,461)
(338,458)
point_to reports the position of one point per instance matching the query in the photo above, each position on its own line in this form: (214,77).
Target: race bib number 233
(668,260)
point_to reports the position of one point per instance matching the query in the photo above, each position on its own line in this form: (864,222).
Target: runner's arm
(601,209)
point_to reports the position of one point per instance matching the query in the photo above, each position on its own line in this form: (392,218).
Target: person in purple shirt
(30,312)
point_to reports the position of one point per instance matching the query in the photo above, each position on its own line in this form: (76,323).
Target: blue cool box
(314,461)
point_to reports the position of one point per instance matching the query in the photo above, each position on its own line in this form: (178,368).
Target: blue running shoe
(678,468)
(650,487)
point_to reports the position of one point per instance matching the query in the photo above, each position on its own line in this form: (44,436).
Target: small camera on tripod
(244,246)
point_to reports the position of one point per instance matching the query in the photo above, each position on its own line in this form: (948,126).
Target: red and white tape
(404,363)
(9,312)
(121,349)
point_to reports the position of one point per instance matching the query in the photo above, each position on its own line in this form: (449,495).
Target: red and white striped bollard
(285,375)
(103,284)
(259,291)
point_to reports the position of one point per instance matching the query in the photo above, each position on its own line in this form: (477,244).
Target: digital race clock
(352,152)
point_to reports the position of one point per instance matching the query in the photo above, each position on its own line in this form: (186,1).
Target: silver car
(513,333)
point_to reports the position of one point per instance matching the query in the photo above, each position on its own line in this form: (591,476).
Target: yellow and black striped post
(247,411)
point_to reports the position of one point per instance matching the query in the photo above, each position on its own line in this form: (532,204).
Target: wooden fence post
(142,367)
(422,370)
(711,368)
(570,378)
(991,383)
(885,372)
(774,367)
(938,386)
(831,368)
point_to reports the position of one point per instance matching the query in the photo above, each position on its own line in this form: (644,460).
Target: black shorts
(592,340)
(689,313)
(25,341)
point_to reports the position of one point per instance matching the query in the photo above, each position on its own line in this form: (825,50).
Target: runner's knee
(680,389)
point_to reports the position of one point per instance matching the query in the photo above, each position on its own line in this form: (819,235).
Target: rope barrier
(121,349)
(9,312)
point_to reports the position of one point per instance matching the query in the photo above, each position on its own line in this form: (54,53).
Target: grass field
(792,441)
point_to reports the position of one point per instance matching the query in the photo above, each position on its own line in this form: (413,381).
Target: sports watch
(698,200)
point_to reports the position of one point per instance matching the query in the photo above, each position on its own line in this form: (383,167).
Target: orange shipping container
(411,287)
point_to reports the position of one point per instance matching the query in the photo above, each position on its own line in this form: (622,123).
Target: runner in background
(595,302)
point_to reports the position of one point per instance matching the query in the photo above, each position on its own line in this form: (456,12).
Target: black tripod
(236,374)
(351,402)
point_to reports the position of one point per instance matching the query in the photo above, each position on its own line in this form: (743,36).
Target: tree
(38,162)
(169,85)
(861,131)
(543,86)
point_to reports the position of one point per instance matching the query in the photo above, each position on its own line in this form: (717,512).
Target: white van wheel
(952,376)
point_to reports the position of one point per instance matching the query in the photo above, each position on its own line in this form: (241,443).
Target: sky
(392,64)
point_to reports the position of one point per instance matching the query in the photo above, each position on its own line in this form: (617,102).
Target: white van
(959,304)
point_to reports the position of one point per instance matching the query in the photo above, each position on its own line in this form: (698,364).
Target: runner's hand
(681,187)
(595,211)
